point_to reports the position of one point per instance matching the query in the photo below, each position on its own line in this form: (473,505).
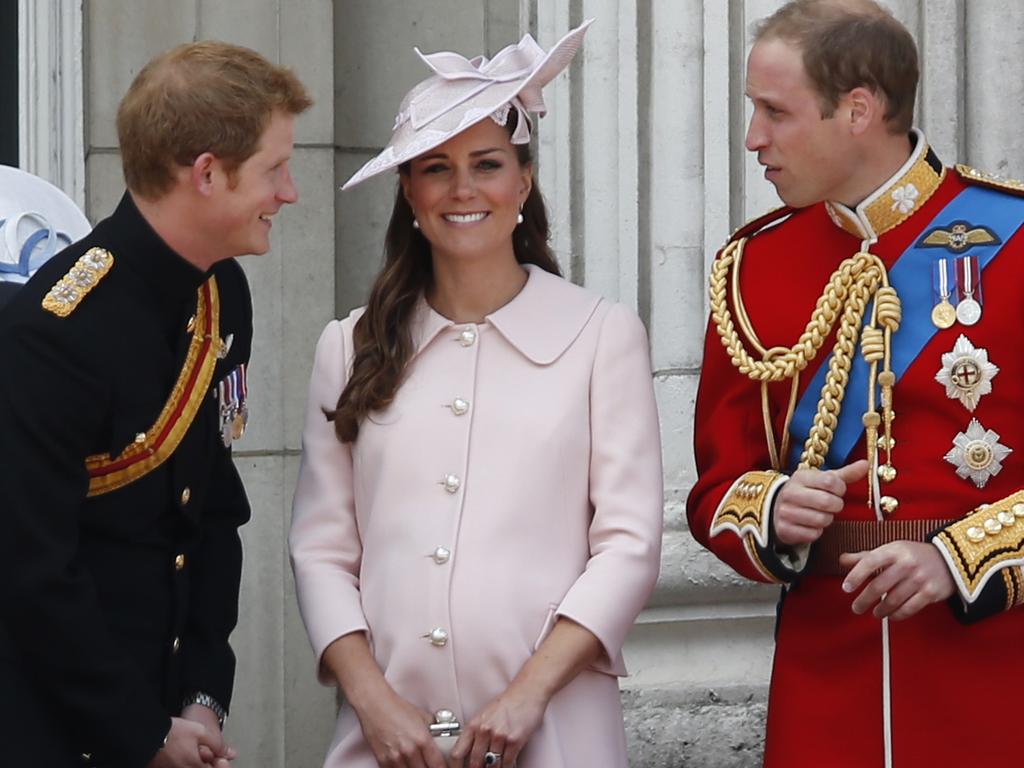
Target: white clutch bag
(446,733)
(445,744)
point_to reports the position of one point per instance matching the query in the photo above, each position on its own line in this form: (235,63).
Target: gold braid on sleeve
(850,289)
(986,541)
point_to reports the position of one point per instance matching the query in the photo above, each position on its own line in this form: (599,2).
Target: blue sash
(911,276)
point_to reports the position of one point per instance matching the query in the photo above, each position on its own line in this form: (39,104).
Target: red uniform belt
(861,535)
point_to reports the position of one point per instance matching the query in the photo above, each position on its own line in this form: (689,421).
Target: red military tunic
(940,688)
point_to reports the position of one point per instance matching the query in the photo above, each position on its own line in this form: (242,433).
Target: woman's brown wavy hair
(381,337)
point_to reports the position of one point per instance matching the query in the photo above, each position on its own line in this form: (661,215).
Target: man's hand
(220,755)
(810,499)
(185,740)
(902,577)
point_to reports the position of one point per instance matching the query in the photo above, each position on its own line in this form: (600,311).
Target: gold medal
(943,314)
(238,426)
(234,415)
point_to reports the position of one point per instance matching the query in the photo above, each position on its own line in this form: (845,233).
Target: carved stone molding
(50,84)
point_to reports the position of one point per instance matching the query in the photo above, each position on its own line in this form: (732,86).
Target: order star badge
(977,454)
(966,373)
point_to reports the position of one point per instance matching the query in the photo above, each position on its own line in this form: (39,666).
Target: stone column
(640,157)
(277,711)
(642,163)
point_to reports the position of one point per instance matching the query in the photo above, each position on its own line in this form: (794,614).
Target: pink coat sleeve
(625,489)
(324,539)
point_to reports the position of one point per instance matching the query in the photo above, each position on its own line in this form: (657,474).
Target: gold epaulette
(988,540)
(70,290)
(756,225)
(153,447)
(746,511)
(990,180)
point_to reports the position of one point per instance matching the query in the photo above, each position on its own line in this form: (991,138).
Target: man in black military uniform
(123,385)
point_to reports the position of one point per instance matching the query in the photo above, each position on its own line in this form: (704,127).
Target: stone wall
(280,716)
(642,163)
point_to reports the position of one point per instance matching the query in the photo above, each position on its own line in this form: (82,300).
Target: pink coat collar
(541,322)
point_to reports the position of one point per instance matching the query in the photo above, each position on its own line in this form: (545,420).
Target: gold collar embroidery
(895,201)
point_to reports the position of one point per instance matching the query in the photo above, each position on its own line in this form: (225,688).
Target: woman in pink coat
(478,514)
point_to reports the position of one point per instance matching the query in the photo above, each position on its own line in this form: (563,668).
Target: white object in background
(36,221)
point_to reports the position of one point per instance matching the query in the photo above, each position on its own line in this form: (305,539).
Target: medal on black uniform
(234,412)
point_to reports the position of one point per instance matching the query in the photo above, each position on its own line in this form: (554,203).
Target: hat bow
(469,77)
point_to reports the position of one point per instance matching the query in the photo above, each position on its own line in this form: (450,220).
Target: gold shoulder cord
(857,281)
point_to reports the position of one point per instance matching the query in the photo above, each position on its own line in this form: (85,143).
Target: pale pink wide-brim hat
(462,92)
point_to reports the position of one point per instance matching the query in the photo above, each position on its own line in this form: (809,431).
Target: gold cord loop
(890,311)
(853,285)
(872,345)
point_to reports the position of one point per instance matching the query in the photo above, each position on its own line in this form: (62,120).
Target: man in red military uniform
(889,284)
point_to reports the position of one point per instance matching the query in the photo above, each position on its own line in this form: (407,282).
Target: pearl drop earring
(415,224)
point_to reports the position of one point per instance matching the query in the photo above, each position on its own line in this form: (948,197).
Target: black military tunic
(115,606)
(7,290)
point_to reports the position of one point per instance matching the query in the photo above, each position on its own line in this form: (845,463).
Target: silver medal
(968,310)
(977,454)
(966,373)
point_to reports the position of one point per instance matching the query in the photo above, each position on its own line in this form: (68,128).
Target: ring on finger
(492,758)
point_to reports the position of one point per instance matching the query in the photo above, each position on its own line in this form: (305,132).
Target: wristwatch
(206,700)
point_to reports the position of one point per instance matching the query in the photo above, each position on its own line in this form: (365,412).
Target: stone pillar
(374,67)
(50,90)
(642,163)
(640,156)
(274,714)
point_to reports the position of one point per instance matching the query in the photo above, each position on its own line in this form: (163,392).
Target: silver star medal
(966,373)
(977,454)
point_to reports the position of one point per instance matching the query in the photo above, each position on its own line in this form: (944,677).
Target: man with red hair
(123,386)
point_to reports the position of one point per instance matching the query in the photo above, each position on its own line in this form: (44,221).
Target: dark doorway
(9,82)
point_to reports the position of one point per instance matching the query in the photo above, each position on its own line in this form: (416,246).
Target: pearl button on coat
(557,512)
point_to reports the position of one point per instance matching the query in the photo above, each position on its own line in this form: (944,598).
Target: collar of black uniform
(897,199)
(134,243)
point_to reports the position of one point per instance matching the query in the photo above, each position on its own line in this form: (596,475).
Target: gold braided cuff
(983,543)
(746,508)
(746,511)
(1013,578)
